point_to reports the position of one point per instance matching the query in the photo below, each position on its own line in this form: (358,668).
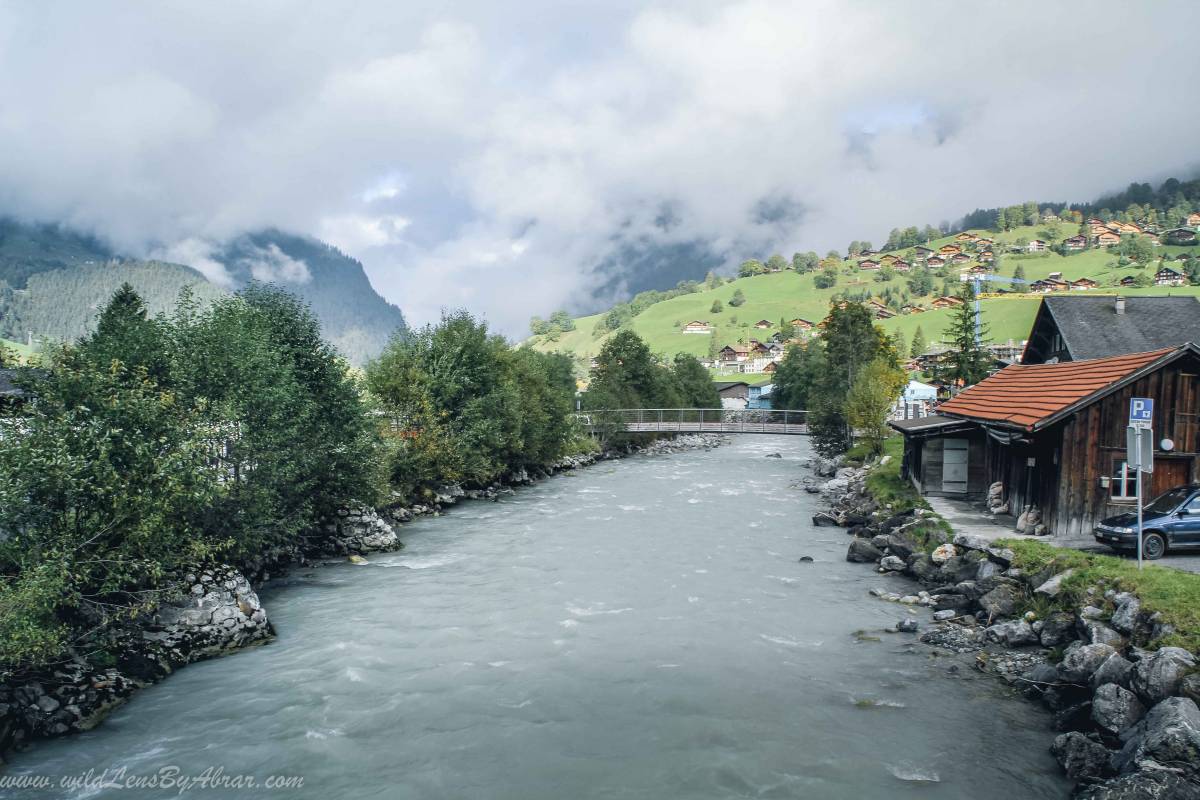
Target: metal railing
(696,420)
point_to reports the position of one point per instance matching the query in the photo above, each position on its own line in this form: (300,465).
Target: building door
(954,465)
(1168,473)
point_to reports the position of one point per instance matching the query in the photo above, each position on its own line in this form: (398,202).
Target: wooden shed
(1054,434)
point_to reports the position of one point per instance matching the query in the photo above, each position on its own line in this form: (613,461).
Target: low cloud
(518,159)
(271,265)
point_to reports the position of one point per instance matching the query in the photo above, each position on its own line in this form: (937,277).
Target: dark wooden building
(1054,436)
(1074,328)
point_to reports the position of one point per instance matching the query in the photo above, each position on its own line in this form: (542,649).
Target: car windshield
(1167,502)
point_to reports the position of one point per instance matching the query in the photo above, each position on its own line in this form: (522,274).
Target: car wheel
(1154,546)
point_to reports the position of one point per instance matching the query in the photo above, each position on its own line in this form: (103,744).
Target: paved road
(965,517)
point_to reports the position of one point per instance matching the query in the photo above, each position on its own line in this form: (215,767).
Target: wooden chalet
(1046,285)
(922,253)
(949,249)
(888,259)
(879,310)
(802,324)
(959,258)
(1076,328)
(912,308)
(732,353)
(1035,246)
(1079,242)
(1169,277)
(1084,284)
(1053,435)
(868,252)
(1129,280)
(771,367)
(965,236)
(697,326)
(1180,236)
(1193,220)
(1106,238)
(946,301)
(900,265)
(868,263)
(935,262)
(987,256)
(763,324)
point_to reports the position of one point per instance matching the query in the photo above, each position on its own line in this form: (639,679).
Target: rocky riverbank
(214,609)
(1125,709)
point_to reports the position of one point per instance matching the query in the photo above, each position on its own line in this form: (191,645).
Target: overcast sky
(510,157)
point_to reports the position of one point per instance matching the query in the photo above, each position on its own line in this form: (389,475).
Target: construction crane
(977,285)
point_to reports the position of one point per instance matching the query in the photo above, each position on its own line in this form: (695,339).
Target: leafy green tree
(1019,272)
(712,280)
(805,262)
(738,299)
(562,321)
(797,373)
(920,282)
(874,391)
(776,263)
(751,267)
(126,333)
(826,279)
(538,326)
(696,388)
(716,308)
(626,375)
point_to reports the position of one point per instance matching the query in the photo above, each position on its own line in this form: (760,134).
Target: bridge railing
(692,420)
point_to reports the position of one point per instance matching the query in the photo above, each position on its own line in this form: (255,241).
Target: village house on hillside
(1053,436)
(1035,246)
(802,324)
(868,264)
(949,249)
(933,262)
(697,326)
(1177,236)
(1193,219)
(763,324)
(1169,277)
(921,253)
(946,301)
(1079,242)
(1106,238)
(1074,328)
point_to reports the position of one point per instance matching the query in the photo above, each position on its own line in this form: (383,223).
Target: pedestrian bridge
(695,420)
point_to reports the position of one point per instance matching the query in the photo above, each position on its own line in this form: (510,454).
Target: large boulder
(1082,759)
(900,546)
(892,563)
(1114,709)
(921,567)
(970,541)
(1169,735)
(1014,634)
(1116,669)
(944,602)
(1057,629)
(1126,618)
(1080,661)
(1158,676)
(1148,785)
(861,551)
(216,612)
(943,553)
(1001,601)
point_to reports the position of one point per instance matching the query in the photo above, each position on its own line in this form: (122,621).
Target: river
(640,629)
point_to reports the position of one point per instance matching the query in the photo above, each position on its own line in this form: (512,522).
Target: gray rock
(1190,686)
(907,626)
(1080,757)
(1114,709)
(971,541)
(1116,669)
(1149,785)
(1080,661)
(892,564)
(945,614)
(1001,555)
(986,570)
(1057,629)
(951,601)
(900,547)
(1159,676)
(1043,674)
(1000,602)
(880,541)
(861,551)
(1013,634)
(48,704)
(1169,735)
(1095,632)
(1125,618)
(921,567)
(1053,586)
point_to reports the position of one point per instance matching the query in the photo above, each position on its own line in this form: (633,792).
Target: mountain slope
(787,295)
(54,280)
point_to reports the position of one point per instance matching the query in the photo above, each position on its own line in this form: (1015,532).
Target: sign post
(1140,445)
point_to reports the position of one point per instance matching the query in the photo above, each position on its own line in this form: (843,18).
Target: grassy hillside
(786,295)
(20,349)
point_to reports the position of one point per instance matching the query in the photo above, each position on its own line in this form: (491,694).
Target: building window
(1124,482)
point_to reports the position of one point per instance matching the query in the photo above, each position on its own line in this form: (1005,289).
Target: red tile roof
(1025,395)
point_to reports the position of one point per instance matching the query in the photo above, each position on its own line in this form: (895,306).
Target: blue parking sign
(1141,410)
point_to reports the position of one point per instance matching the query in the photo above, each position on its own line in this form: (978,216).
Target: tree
(898,343)
(1136,248)
(738,299)
(712,280)
(627,376)
(918,343)
(968,360)
(695,386)
(805,262)
(716,307)
(1019,272)
(870,398)
(1001,220)
(798,371)
(776,263)
(826,279)
(920,282)
(562,321)
(751,267)
(538,326)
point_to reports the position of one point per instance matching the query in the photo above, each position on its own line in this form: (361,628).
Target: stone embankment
(214,610)
(1129,726)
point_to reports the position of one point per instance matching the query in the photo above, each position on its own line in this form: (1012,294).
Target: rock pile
(1129,723)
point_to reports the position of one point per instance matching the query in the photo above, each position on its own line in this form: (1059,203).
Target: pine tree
(918,342)
(968,359)
(1019,273)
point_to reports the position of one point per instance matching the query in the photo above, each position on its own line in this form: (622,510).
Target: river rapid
(639,629)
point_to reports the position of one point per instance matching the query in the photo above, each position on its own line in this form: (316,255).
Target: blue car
(1169,522)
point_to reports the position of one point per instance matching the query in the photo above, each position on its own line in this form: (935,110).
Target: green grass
(1171,592)
(787,295)
(24,352)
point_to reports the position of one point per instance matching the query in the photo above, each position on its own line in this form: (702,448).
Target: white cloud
(198,254)
(271,265)
(507,157)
